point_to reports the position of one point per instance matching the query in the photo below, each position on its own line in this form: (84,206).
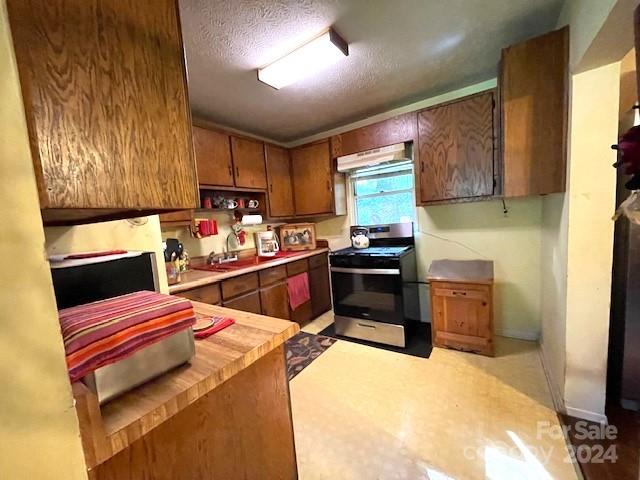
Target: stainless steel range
(374,288)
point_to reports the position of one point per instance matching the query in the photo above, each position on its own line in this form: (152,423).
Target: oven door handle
(367,271)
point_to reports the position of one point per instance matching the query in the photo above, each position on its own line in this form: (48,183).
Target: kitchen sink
(244,262)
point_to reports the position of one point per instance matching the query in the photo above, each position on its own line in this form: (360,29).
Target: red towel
(218,324)
(81,256)
(298,287)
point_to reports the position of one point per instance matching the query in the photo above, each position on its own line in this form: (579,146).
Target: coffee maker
(267,243)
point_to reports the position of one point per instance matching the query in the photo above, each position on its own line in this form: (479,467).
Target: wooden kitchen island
(227,415)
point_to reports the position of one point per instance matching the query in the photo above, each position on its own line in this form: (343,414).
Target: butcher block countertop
(199,278)
(111,428)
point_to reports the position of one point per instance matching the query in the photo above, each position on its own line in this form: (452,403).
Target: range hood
(372,158)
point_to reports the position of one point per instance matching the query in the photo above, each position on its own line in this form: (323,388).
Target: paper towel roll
(251,219)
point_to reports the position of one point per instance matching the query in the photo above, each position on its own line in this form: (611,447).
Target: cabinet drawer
(461,293)
(246,303)
(272,275)
(294,268)
(318,260)
(208,294)
(239,285)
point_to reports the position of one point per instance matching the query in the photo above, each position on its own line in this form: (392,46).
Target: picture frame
(297,236)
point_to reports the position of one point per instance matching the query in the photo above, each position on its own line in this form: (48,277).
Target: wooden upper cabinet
(399,129)
(213,157)
(248,162)
(105,94)
(312,175)
(456,149)
(534,91)
(279,179)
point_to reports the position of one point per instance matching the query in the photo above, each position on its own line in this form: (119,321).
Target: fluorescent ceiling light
(324,50)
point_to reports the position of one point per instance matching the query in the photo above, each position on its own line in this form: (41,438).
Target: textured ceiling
(399,52)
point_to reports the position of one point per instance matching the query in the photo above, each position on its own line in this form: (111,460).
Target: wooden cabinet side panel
(242,429)
(105,96)
(248,163)
(312,176)
(280,189)
(456,149)
(534,89)
(213,157)
(320,287)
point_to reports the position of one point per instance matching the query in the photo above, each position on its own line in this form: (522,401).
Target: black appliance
(374,289)
(78,282)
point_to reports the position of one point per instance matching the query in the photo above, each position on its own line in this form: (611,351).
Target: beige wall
(592,183)
(201,247)
(577,233)
(475,230)
(553,290)
(39,436)
(585,18)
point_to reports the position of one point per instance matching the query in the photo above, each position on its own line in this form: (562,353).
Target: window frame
(354,177)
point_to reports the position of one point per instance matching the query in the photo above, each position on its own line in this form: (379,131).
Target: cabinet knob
(237,172)
(230,171)
(271,188)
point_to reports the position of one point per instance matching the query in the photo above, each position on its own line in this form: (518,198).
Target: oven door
(369,293)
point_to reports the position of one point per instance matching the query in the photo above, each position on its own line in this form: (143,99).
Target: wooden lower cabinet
(266,292)
(275,301)
(247,303)
(220,436)
(462,316)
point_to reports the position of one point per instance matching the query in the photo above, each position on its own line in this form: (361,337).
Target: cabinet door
(534,89)
(246,303)
(248,162)
(279,177)
(462,317)
(320,288)
(213,157)
(275,301)
(302,315)
(456,154)
(105,95)
(312,179)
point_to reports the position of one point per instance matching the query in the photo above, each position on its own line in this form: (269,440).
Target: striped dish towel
(103,332)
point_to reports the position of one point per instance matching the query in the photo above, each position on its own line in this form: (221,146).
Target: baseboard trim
(531,336)
(587,415)
(556,398)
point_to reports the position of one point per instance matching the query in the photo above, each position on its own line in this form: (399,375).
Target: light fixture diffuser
(315,55)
